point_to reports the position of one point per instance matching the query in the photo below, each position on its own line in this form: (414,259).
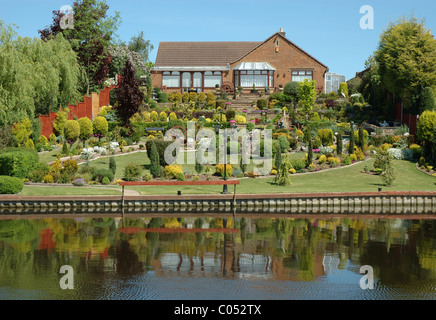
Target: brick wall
(284,59)
(88,108)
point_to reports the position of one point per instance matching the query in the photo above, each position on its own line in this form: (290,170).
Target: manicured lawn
(342,179)
(69,191)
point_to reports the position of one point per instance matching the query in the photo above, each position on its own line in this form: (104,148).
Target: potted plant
(254,89)
(280,87)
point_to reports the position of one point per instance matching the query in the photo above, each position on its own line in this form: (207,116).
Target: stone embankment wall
(393,203)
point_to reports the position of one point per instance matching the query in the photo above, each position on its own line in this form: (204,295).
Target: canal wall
(391,202)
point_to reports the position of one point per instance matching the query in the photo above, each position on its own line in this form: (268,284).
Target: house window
(186,79)
(197,80)
(171,79)
(212,78)
(257,78)
(301,75)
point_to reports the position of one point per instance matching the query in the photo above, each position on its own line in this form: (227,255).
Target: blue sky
(328,30)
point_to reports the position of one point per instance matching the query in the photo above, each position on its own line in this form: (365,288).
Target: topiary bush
(132,171)
(17,162)
(70,167)
(102,173)
(71,130)
(161,145)
(219,170)
(10,185)
(100,126)
(326,136)
(262,103)
(163,97)
(86,128)
(112,165)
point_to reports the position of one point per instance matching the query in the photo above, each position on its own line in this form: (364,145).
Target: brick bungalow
(203,65)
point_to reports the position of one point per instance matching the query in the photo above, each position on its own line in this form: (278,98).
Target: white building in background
(332,81)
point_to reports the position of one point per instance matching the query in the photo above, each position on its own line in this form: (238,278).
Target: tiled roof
(192,54)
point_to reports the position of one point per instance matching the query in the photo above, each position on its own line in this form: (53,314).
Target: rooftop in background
(172,54)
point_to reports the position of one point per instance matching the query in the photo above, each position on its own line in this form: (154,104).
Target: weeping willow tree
(36,77)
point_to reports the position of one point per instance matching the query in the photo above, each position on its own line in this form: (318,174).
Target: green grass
(342,179)
(69,191)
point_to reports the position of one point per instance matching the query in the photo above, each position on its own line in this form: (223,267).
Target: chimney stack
(281,32)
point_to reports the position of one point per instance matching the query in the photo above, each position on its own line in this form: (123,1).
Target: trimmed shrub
(10,185)
(161,145)
(326,136)
(154,115)
(86,128)
(347,160)
(105,180)
(17,162)
(192,96)
(112,165)
(70,167)
(71,130)
(48,178)
(185,97)
(132,171)
(163,97)
(181,177)
(284,143)
(154,157)
(262,103)
(147,177)
(100,125)
(163,116)
(172,116)
(220,104)
(298,164)
(219,170)
(240,119)
(201,97)
(172,171)
(102,173)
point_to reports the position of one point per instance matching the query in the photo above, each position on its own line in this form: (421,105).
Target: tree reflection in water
(273,249)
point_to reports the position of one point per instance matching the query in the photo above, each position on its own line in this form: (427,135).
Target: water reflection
(216,258)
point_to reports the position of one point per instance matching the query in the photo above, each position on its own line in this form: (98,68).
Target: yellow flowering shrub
(359,154)
(48,178)
(220,169)
(386,146)
(240,119)
(172,170)
(322,159)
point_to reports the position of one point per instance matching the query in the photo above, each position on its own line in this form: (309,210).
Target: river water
(203,258)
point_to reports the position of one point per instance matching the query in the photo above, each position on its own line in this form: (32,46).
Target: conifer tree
(154,161)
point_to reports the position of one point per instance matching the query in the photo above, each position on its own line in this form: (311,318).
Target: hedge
(17,162)
(10,185)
